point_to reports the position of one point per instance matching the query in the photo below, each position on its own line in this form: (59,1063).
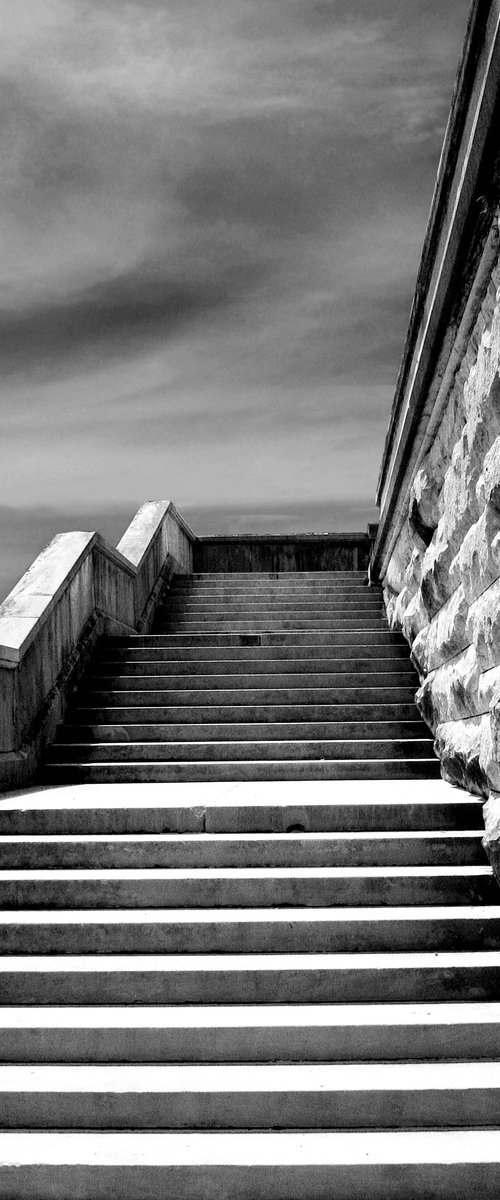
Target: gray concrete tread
(238,1077)
(413,872)
(298,1149)
(252,1016)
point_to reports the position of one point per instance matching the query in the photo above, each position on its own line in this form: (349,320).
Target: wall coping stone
(459,250)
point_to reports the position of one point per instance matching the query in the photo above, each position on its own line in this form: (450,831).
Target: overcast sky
(212,213)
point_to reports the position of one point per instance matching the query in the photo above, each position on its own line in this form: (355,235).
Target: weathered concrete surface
(307,552)
(76,590)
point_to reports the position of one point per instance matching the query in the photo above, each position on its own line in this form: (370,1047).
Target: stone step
(262,1033)
(237,751)
(97,851)
(250,978)
(403,676)
(249,887)
(262,575)
(263,608)
(354,665)
(358,637)
(250,1096)
(270,624)
(249,696)
(238,932)
(239,771)
(244,654)
(239,731)
(361,1165)
(242,713)
(247,807)
(291,582)
(278,594)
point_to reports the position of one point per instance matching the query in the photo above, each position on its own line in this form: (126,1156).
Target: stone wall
(442,581)
(437,551)
(77,590)
(285,552)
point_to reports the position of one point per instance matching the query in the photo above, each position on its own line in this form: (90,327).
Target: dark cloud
(211,219)
(116,317)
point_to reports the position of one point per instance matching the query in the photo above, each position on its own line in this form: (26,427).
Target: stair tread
(249,1077)
(212,1149)
(220,873)
(242,1016)
(204,916)
(222,838)
(397,961)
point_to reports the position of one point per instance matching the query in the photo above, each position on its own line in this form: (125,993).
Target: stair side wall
(437,552)
(78,589)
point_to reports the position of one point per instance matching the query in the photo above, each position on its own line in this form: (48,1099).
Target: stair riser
(290,851)
(239,986)
(271,624)
(307,639)
(276,1181)
(252,1110)
(373,679)
(257,576)
(248,696)
(260,818)
(246,654)
(247,609)
(256,751)
(243,714)
(238,732)
(245,893)
(236,772)
(252,937)
(294,1043)
(270,588)
(388,664)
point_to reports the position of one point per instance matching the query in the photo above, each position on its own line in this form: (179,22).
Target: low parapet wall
(438,547)
(285,552)
(77,589)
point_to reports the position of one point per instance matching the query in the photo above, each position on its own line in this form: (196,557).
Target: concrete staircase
(262,989)
(260,677)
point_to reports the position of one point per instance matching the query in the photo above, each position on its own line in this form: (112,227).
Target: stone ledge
(77,588)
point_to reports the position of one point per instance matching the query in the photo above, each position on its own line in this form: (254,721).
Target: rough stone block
(459,746)
(413,573)
(491,840)
(444,636)
(451,692)
(488,486)
(437,584)
(477,563)
(483,626)
(488,689)
(415,617)
(424,497)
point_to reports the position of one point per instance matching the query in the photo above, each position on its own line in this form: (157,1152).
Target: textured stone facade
(437,550)
(442,583)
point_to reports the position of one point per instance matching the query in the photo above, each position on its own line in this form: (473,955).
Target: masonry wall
(442,581)
(437,550)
